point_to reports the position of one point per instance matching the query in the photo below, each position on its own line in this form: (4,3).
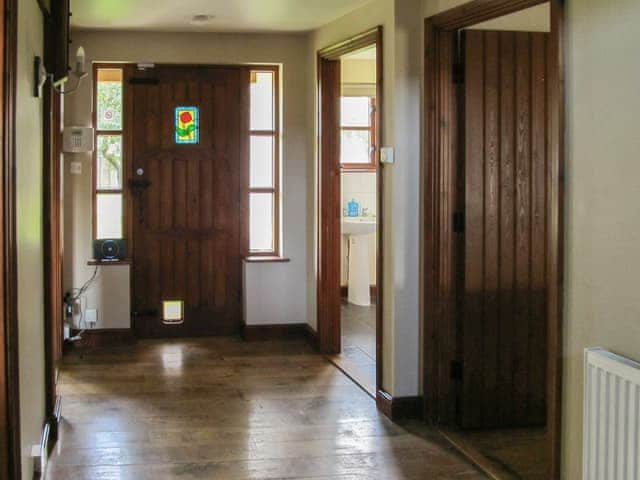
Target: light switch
(387,155)
(75,168)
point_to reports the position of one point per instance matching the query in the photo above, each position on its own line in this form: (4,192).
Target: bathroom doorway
(349,293)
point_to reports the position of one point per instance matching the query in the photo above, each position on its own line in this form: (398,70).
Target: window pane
(262,100)
(356,112)
(109,155)
(261,222)
(261,161)
(187,125)
(109,99)
(355,146)
(108,215)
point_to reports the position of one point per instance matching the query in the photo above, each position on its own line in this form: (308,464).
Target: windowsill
(266,259)
(109,263)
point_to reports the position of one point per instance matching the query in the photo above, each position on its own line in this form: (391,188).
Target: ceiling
(229,15)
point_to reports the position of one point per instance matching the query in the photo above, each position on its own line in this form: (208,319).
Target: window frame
(122,133)
(373,144)
(275,188)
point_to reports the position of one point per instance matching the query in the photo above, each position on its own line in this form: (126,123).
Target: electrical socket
(91,317)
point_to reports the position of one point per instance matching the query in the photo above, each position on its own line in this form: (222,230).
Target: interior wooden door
(504,319)
(187,240)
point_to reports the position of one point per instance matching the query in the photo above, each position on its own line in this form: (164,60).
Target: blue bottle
(353,208)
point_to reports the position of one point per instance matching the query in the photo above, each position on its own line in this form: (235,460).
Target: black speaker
(109,249)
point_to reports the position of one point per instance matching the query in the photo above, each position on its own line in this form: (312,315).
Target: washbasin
(358,225)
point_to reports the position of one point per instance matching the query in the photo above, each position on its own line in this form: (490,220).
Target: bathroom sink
(358,225)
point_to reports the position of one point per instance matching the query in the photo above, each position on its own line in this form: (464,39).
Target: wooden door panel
(505,167)
(187,222)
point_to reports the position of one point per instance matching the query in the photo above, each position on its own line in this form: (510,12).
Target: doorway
(350,193)
(493,234)
(186,184)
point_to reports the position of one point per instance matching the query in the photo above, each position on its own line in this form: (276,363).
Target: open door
(506,207)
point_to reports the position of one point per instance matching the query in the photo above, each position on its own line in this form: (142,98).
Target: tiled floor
(358,356)
(223,409)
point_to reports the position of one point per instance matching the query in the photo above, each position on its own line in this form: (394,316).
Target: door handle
(138,186)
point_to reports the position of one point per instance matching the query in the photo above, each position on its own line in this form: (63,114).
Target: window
(264,162)
(108,171)
(358,133)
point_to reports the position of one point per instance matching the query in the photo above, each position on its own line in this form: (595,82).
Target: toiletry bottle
(353,208)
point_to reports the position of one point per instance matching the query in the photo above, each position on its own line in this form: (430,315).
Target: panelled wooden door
(504,319)
(187,201)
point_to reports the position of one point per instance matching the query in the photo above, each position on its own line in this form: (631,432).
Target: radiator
(611,449)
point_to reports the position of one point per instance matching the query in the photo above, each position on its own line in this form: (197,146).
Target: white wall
(29,155)
(402,31)
(288,293)
(603,197)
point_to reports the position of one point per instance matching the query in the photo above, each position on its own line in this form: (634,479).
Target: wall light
(40,75)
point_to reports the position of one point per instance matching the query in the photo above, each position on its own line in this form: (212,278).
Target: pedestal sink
(357,230)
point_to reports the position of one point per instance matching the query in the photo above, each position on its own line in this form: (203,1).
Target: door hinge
(458,222)
(456,370)
(458,73)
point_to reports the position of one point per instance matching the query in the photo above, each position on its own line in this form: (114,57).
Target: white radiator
(611,417)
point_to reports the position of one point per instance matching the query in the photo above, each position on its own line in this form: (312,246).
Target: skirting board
(108,337)
(253,333)
(399,408)
(373,291)
(47,441)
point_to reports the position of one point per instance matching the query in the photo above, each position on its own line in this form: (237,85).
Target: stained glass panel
(187,125)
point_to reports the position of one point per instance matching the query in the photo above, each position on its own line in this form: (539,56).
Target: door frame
(439,165)
(328,200)
(10,459)
(55,29)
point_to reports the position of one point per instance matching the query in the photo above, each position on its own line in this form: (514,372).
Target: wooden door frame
(55,25)
(10,463)
(328,288)
(439,164)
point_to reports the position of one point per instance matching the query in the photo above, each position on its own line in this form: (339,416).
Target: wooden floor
(520,451)
(223,409)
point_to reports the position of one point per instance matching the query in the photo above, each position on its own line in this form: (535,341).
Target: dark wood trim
(328,292)
(312,337)
(329,209)
(101,337)
(10,461)
(253,333)
(399,408)
(477,11)
(492,469)
(440,195)
(357,42)
(52,228)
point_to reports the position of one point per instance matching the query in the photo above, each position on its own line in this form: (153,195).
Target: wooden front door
(506,158)
(186,200)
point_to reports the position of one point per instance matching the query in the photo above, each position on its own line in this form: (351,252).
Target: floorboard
(222,409)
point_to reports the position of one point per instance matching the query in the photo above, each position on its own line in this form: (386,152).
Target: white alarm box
(77,139)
